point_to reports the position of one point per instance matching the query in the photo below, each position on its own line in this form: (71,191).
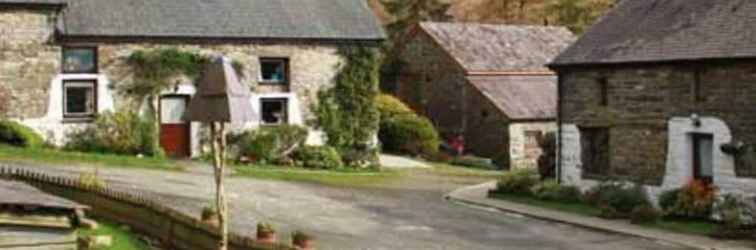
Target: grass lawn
(338,177)
(58,157)
(122,240)
(698,227)
(452,170)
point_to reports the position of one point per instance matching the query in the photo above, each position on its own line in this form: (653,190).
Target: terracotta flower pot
(266,237)
(307,244)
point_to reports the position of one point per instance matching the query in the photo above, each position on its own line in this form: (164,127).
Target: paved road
(406,214)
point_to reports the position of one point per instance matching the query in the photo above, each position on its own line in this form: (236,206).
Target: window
(274,70)
(703,155)
(79,99)
(79,60)
(595,151)
(697,91)
(603,84)
(274,110)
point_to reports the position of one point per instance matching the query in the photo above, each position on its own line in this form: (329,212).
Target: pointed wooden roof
(220,96)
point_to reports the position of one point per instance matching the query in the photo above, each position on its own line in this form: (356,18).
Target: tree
(577,15)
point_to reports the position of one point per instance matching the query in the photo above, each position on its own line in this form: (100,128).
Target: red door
(174,130)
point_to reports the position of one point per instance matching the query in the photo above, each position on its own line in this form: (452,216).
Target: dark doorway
(703,157)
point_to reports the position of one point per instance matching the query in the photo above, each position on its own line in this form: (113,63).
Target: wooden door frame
(186,98)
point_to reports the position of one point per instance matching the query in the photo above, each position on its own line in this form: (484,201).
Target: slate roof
(19,193)
(295,19)
(668,30)
(520,97)
(488,47)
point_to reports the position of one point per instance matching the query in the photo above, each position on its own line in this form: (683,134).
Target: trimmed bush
(474,162)
(390,106)
(122,132)
(16,134)
(645,214)
(518,182)
(409,134)
(269,143)
(617,197)
(552,191)
(318,157)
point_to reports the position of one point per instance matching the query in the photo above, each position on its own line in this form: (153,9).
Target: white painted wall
(678,171)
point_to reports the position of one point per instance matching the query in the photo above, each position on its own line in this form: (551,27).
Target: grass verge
(696,227)
(337,177)
(58,157)
(122,239)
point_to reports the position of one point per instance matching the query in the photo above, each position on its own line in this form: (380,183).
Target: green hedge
(409,134)
(122,132)
(390,106)
(16,134)
(269,143)
(318,157)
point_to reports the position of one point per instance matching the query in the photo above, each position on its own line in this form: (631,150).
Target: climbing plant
(346,112)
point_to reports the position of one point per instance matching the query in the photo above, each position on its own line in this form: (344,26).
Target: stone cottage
(61,59)
(486,83)
(662,91)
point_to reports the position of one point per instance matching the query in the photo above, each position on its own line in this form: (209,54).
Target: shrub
(547,160)
(264,227)
(618,196)
(474,162)
(518,182)
(122,132)
(737,216)
(270,143)
(644,214)
(553,191)
(389,106)
(409,134)
(319,157)
(16,134)
(694,200)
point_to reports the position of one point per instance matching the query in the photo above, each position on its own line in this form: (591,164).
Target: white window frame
(89,83)
(287,116)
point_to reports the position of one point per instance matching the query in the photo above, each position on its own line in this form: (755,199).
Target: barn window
(79,99)
(79,60)
(603,84)
(274,70)
(274,110)
(595,151)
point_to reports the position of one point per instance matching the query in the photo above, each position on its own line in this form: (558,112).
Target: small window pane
(273,70)
(79,60)
(172,110)
(274,111)
(79,98)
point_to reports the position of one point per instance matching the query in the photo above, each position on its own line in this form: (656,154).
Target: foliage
(122,132)
(347,112)
(519,182)
(474,162)
(551,190)
(208,213)
(318,157)
(547,160)
(409,134)
(577,15)
(123,239)
(154,68)
(738,218)
(390,106)
(264,227)
(644,214)
(269,143)
(618,199)
(17,134)
(694,200)
(54,157)
(91,180)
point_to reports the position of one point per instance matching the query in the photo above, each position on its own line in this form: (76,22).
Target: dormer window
(79,60)
(274,70)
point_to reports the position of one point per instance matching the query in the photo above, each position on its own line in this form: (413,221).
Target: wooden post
(219,155)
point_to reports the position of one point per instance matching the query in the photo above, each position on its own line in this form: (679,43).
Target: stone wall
(433,84)
(486,132)
(28,61)
(524,149)
(643,113)
(172,228)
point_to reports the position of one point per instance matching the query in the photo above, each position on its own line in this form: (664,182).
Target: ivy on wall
(346,112)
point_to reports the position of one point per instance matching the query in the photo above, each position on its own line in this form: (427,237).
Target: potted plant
(266,233)
(210,216)
(302,240)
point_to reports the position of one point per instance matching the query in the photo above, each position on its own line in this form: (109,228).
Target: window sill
(73,120)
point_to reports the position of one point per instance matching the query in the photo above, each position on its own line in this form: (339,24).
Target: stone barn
(662,91)
(486,83)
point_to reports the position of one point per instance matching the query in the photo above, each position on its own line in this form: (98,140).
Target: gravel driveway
(406,214)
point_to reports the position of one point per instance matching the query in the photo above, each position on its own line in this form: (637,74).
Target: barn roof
(520,97)
(667,30)
(22,194)
(488,47)
(241,19)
